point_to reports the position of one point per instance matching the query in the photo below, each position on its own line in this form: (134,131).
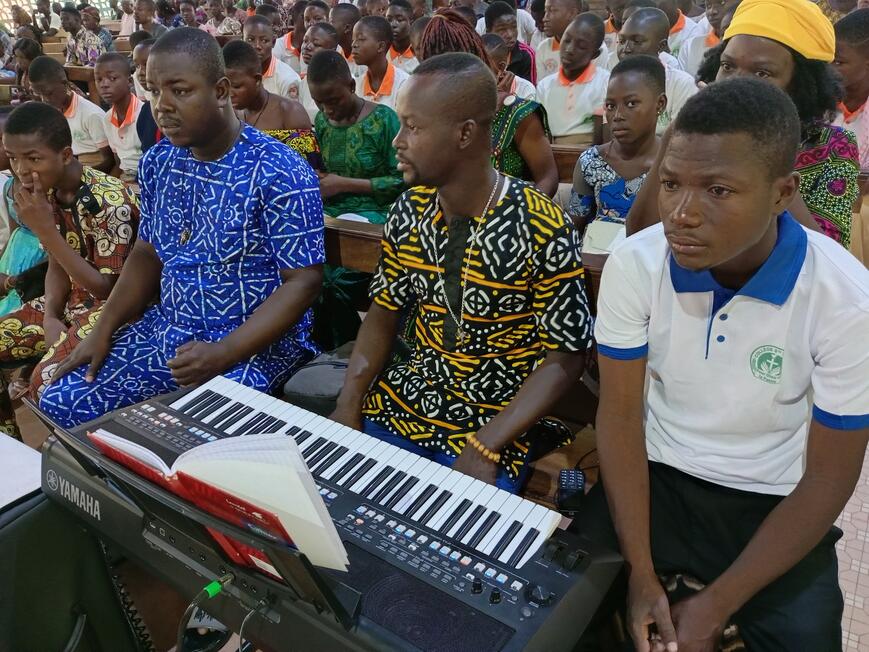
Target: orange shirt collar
(129,117)
(288,41)
(712,40)
(395,54)
(584,78)
(680,24)
(556,44)
(609,28)
(850,116)
(73,105)
(270,71)
(385,86)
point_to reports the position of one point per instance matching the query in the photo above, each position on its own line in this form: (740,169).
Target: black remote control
(571,490)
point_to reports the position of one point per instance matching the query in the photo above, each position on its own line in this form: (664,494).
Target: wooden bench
(565,159)
(84,74)
(122,45)
(60,57)
(53,48)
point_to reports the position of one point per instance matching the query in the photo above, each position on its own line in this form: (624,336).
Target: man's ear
(221,89)
(467,132)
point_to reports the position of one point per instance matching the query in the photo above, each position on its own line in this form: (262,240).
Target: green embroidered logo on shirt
(766,362)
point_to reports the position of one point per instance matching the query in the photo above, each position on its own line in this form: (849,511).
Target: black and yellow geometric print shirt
(525,297)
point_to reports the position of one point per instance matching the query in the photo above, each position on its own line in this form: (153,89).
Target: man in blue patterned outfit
(231,241)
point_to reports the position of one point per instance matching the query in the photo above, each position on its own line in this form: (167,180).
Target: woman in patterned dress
(607,177)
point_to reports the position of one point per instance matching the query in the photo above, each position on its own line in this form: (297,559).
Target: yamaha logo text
(74,494)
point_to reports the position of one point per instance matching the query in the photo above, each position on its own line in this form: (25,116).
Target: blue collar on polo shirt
(773,282)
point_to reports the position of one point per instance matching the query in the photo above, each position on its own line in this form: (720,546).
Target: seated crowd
(175,232)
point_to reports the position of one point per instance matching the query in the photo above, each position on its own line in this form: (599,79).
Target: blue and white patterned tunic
(223,230)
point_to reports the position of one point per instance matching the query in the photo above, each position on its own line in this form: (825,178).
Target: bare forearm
(57,289)
(538,394)
(624,469)
(75,267)
(275,316)
(137,286)
(370,355)
(352,186)
(787,535)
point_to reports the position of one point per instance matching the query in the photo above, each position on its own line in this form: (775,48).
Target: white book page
(268,471)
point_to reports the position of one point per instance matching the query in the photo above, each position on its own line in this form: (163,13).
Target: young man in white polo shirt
(715,329)
(278,77)
(89,142)
(573,97)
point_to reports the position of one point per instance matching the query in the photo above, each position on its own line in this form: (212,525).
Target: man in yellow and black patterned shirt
(491,356)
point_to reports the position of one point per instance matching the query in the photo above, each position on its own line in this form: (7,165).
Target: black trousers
(699,528)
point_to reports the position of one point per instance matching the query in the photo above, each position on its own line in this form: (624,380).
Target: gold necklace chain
(461,333)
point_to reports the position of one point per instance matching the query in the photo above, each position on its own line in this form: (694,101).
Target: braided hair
(447,32)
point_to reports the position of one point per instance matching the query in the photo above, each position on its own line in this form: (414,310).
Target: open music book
(258,482)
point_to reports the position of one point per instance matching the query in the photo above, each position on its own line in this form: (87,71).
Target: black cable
(262,603)
(210,590)
(582,459)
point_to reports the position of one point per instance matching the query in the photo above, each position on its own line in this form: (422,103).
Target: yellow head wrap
(798,24)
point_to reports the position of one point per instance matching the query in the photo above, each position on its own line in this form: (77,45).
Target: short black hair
(593,22)
(378,26)
(256,19)
(467,13)
(495,44)
(115,57)
(28,47)
(347,11)
(419,25)
(192,3)
(496,10)
(148,43)
(240,55)
(640,4)
(318,3)
(580,5)
(42,119)
(650,68)
(404,5)
(814,87)
(298,10)
(46,69)
(199,45)
(137,37)
(262,10)
(329,28)
(326,66)
(69,9)
(537,5)
(469,89)
(749,106)
(853,30)
(148,3)
(652,19)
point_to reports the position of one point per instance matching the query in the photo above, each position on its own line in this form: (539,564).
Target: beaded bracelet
(481,448)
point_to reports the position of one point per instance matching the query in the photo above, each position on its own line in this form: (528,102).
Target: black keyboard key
(417,504)
(292,431)
(344,470)
(460,509)
(317,457)
(251,424)
(314,447)
(329,461)
(506,539)
(409,484)
(302,436)
(235,417)
(376,481)
(391,484)
(276,426)
(484,529)
(228,413)
(523,547)
(434,507)
(473,518)
(191,405)
(205,406)
(362,470)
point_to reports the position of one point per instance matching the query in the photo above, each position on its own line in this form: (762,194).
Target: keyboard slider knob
(476,585)
(538,594)
(495,596)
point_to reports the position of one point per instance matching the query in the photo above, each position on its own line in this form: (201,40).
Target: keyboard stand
(165,512)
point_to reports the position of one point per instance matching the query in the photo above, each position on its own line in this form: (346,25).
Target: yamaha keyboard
(441,560)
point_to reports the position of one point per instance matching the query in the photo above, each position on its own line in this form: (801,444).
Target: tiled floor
(854,566)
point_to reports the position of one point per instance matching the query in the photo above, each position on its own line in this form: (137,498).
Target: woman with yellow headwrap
(790,43)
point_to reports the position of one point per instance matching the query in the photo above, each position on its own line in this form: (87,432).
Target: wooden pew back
(565,159)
